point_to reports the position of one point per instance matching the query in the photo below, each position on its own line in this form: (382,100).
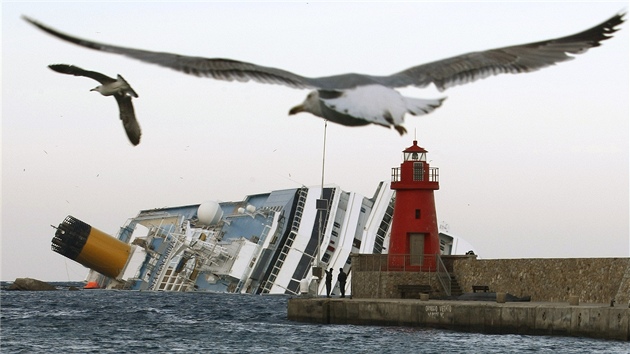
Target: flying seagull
(119,88)
(357,99)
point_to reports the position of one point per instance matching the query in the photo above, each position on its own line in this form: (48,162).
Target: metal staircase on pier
(443,276)
(456,290)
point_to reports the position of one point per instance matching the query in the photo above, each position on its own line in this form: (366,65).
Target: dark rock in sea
(30,284)
(73,288)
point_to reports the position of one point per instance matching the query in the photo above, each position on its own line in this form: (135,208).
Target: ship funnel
(91,247)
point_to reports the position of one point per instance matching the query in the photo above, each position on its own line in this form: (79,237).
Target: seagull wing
(523,58)
(128,117)
(77,71)
(221,69)
(444,73)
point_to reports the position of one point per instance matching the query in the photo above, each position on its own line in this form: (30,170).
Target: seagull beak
(297,109)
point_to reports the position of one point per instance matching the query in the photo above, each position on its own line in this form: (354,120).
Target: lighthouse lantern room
(414,241)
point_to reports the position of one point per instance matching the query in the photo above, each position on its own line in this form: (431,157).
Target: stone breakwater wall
(595,321)
(384,285)
(592,280)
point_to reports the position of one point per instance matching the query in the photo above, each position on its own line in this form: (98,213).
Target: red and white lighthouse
(414,226)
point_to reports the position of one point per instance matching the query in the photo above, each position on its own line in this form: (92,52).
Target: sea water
(104,321)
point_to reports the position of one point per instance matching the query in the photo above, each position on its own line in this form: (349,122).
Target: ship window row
(275,272)
(290,240)
(381,232)
(281,257)
(266,287)
(384,226)
(293,287)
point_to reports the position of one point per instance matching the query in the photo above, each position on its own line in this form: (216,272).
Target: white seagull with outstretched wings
(357,99)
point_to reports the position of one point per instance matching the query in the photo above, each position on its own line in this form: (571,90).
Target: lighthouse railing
(433,174)
(396,174)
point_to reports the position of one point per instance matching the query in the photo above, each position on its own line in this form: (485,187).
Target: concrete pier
(531,318)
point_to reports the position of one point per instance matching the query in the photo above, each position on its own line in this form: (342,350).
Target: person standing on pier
(342,282)
(328,281)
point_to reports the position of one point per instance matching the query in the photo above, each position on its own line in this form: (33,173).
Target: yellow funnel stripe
(104,254)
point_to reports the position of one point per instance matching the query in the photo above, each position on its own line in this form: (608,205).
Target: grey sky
(531,165)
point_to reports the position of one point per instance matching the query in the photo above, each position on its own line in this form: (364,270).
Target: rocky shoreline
(30,284)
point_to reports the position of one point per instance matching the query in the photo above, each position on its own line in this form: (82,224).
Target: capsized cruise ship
(264,244)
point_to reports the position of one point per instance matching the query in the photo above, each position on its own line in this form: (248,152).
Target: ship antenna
(320,211)
(324,157)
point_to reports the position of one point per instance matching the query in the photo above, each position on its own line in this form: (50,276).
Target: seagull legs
(400,129)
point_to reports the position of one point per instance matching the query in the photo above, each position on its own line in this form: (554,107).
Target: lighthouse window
(418,171)
(417,213)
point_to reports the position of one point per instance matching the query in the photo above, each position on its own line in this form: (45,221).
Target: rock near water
(30,284)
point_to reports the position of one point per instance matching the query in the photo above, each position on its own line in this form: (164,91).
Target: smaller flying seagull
(119,88)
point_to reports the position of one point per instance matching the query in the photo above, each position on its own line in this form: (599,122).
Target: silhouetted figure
(342,282)
(328,281)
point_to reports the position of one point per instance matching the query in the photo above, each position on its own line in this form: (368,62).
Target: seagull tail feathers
(420,106)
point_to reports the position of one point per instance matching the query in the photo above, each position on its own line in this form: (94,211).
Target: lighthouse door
(416,248)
